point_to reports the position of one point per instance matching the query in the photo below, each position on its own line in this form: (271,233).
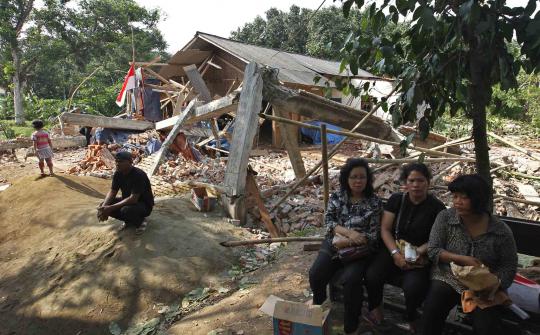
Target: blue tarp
(315,134)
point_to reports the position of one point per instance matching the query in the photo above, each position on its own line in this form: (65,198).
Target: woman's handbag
(349,254)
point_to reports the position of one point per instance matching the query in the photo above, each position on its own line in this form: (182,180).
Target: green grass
(25,130)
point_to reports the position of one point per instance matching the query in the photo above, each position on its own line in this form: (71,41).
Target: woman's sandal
(370,318)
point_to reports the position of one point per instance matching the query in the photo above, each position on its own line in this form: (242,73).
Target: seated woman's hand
(400,261)
(467,261)
(357,238)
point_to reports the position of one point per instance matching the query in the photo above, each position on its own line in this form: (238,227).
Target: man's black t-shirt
(136,182)
(416,220)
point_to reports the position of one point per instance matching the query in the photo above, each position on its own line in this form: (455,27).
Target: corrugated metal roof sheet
(293,68)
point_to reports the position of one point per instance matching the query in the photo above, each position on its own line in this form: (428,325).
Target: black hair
(37,124)
(345,171)
(476,188)
(419,167)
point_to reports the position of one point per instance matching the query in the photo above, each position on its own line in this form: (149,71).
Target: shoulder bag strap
(399,215)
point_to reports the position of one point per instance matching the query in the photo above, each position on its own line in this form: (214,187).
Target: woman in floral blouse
(467,234)
(354,214)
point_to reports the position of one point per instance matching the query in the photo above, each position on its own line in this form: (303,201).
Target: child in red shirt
(42,146)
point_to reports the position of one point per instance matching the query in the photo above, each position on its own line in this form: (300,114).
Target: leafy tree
(63,44)
(14,14)
(316,33)
(450,56)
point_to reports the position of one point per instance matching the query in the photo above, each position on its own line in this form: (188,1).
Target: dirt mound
(63,272)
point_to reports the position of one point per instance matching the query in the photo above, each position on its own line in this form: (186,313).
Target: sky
(182,19)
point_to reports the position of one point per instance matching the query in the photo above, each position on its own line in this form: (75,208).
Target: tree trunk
(17,87)
(480,93)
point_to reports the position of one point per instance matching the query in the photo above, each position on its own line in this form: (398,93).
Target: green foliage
(63,44)
(301,30)
(449,57)
(520,103)
(8,129)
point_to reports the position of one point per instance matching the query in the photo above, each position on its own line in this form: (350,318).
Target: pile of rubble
(7,157)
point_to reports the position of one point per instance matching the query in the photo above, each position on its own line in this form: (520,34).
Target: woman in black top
(416,210)
(354,213)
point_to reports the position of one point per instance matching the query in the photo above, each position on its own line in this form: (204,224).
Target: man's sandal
(141,228)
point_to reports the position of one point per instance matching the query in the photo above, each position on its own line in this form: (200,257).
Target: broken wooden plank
(57,143)
(87,120)
(515,146)
(208,111)
(242,142)
(215,132)
(107,158)
(253,191)
(289,134)
(528,192)
(211,138)
(360,136)
(324,154)
(319,108)
(197,82)
(271,240)
(170,138)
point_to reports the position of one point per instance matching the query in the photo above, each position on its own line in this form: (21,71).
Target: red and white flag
(129,83)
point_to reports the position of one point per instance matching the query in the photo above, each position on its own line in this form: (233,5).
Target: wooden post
(254,193)
(324,148)
(198,82)
(170,138)
(242,141)
(215,132)
(334,150)
(289,134)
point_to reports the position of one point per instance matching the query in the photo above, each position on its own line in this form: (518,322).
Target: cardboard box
(294,318)
(203,201)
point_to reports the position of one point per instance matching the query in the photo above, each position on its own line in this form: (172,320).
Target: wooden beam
(220,133)
(336,147)
(315,107)
(170,138)
(208,111)
(239,70)
(242,142)
(105,122)
(289,134)
(215,132)
(254,193)
(360,136)
(324,150)
(57,143)
(197,82)
(513,145)
(271,240)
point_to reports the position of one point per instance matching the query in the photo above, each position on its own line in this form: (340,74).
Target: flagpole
(133,60)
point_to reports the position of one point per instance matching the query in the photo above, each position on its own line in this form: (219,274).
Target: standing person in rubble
(137,198)
(407,220)
(352,219)
(42,147)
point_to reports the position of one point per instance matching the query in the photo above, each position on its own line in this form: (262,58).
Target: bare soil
(63,272)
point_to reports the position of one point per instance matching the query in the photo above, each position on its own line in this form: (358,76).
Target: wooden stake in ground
(324,149)
(246,123)
(253,190)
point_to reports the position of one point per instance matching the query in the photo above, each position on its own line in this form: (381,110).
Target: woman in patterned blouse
(353,213)
(467,234)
